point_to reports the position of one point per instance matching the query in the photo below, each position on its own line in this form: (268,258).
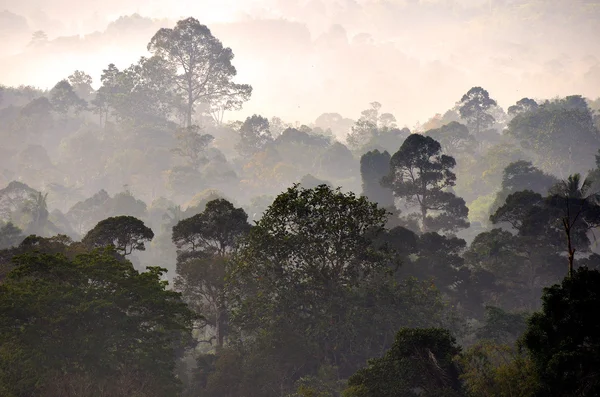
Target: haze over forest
(307,57)
(350,198)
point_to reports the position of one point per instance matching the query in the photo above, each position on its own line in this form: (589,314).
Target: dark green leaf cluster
(422,175)
(92,323)
(125,233)
(419,363)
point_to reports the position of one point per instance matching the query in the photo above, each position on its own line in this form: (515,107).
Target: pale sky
(304,58)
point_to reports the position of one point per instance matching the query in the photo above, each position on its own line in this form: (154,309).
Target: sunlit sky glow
(304,58)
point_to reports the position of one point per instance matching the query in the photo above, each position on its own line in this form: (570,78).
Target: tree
(302,148)
(337,162)
(10,236)
(522,175)
(501,326)
(366,126)
(419,363)
(513,280)
(81,83)
(64,99)
(562,338)
(204,244)
(204,65)
(192,145)
(374,166)
(338,125)
(254,135)
(125,233)
(58,244)
(374,130)
(144,93)
(89,326)
(544,225)
(497,370)
(35,117)
(85,214)
(422,175)
(37,207)
(454,138)
(522,105)
(314,240)
(324,384)
(124,203)
(310,182)
(580,211)
(439,258)
(297,270)
(277,126)
(387,120)
(561,134)
(311,279)
(14,197)
(474,107)
(38,38)
(517,209)
(107,95)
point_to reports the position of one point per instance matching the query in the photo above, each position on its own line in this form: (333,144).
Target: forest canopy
(150,248)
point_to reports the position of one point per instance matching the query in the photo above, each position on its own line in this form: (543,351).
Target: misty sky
(304,58)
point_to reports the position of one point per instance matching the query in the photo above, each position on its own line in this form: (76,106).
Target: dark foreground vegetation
(465,267)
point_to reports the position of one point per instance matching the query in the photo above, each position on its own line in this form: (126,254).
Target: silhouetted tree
(374,166)
(422,175)
(474,107)
(125,233)
(204,65)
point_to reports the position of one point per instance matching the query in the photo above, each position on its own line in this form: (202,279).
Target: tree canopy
(205,72)
(125,233)
(422,175)
(92,324)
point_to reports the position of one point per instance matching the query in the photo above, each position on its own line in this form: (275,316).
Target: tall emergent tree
(422,175)
(204,66)
(474,108)
(578,209)
(125,233)
(107,95)
(205,243)
(375,165)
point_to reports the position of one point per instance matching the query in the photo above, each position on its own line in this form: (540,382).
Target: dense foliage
(149,248)
(92,324)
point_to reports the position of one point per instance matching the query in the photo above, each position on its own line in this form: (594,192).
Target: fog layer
(306,57)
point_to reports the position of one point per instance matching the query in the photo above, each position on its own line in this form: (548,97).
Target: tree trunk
(190,104)
(570,249)
(423,218)
(219,325)
(188,116)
